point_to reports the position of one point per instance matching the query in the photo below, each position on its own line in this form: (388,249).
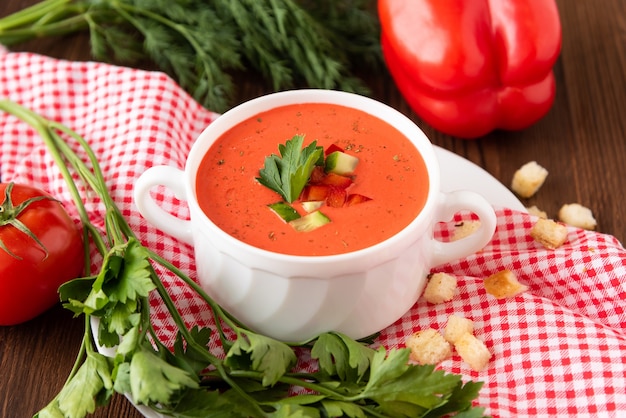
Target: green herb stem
(44,28)
(32,14)
(180,323)
(219,315)
(197,288)
(82,351)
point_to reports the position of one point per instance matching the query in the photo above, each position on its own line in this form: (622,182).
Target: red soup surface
(390,171)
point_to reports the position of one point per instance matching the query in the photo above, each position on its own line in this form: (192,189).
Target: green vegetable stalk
(200,43)
(255,377)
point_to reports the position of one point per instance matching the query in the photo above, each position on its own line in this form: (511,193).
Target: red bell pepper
(468,67)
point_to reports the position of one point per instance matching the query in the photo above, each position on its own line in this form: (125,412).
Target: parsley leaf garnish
(288,173)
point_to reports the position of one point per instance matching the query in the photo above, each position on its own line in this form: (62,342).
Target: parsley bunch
(255,377)
(200,43)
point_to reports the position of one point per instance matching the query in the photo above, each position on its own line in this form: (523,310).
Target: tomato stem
(9,214)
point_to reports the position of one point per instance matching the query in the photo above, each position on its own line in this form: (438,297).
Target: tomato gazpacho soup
(355,180)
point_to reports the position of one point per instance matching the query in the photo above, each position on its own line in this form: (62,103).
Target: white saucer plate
(457,173)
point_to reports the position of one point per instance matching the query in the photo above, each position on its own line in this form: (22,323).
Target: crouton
(528,179)
(503,284)
(440,288)
(534,210)
(465,229)
(457,326)
(428,347)
(549,233)
(577,215)
(473,351)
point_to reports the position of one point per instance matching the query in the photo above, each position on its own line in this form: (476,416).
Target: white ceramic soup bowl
(295,298)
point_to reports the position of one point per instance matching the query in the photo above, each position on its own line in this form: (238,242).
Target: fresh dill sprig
(291,43)
(187,40)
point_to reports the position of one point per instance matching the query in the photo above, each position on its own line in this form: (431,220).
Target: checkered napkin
(558,349)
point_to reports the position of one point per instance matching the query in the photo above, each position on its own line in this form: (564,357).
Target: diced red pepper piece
(332,148)
(355,199)
(336,180)
(317,175)
(336,197)
(314,192)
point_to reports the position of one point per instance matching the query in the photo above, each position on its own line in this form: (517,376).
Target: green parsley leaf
(263,354)
(196,403)
(393,379)
(185,356)
(339,355)
(461,399)
(413,390)
(288,173)
(120,318)
(96,300)
(78,396)
(121,373)
(134,280)
(341,408)
(128,345)
(77,289)
(125,276)
(477,412)
(152,380)
(290,410)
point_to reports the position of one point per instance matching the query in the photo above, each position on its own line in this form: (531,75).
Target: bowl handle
(173,179)
(452,203)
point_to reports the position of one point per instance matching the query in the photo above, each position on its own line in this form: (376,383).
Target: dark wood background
(582,142)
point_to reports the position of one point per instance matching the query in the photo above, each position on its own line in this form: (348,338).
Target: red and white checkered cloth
(558,349)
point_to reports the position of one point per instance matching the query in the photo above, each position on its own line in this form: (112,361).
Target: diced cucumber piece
(310,222)
(312,205)
(341,163)
(285,211)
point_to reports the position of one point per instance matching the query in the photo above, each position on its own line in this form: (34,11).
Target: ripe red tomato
(31,270)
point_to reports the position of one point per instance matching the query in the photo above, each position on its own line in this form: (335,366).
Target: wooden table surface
(582,142)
